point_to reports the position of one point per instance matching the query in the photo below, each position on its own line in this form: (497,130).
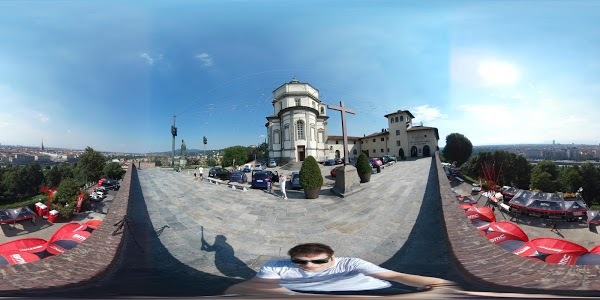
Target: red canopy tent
(466,206)
(593,216)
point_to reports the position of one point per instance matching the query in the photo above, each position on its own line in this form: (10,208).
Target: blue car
(261,179)
(329,162)
(238,177)
(247,169)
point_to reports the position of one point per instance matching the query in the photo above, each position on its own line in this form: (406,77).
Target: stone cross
(343,110)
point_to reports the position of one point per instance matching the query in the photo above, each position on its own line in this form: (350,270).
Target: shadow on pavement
(426,251)
(149,269)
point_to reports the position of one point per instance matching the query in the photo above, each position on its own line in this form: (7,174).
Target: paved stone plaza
(197,238)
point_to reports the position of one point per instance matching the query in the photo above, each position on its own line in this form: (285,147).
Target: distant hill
(178,151)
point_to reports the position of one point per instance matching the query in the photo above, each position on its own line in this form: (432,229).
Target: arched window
(396,119)
(401,118)
(322,110)
(300,130)
(354,151)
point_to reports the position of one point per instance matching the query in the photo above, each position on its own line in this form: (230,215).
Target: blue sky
(112,76)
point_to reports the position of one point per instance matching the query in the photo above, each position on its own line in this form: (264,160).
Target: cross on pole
(343,111)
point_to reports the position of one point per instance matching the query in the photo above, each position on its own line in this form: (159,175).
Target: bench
(238,185)
(215,180)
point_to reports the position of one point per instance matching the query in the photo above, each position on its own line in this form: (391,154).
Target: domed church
(298,128)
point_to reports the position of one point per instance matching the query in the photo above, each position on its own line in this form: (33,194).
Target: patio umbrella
(92,224)
(15,258)
(67,241)
(466,206)
(499,232)
(588,259)
(567,259)
(29,245)
(483,213)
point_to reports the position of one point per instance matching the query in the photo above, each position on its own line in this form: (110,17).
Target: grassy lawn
(26,202)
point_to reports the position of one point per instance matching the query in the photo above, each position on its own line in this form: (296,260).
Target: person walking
(195,173)
(282,180)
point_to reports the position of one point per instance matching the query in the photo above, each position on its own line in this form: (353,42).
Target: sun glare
(498,73)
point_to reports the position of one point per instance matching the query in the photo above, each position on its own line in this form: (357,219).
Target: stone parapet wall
(487,266)
(87,262)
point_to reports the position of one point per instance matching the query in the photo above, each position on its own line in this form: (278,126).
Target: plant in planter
(363,168)
(311,178)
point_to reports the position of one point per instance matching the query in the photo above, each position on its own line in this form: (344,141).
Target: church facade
(298,128)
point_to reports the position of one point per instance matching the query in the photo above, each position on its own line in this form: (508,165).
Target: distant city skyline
(111,76)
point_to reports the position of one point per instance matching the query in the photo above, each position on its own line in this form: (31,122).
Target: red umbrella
(499,232)
(554,245)
(15,258)
(481,213)
(67,241)
(29,245)
(466,206)
(595,250)
(567,259)
(93,224)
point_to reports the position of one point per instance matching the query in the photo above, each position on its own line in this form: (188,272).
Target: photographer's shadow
(225,259)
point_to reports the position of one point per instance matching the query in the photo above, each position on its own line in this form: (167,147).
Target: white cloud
(426,113)
(495,72)
(42,117)
(205,58)
(147,57)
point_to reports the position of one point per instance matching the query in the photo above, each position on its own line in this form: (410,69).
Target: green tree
(113,170)
(514,169)
(52,177)
(591,183)
(362,164)
(310,174)
(543,181)
(90,166)
(544,177)
(34,178)
(458,149)
(238,153)
(570,179)
(65,198)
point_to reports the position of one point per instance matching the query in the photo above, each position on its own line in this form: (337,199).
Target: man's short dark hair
(310,249)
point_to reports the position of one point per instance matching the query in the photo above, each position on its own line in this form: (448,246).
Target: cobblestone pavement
(193,238)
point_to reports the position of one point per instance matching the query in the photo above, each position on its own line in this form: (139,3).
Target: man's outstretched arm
(258,285)
(413,280)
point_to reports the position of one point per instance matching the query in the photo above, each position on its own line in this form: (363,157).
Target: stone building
(298,128)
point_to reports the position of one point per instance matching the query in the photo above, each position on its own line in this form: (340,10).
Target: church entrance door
(413,151)
(426,151)
(301,154)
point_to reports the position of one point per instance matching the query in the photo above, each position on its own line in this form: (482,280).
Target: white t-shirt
(346,274)
(200,170)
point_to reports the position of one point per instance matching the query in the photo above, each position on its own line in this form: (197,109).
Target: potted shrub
(363,168)
(311,178)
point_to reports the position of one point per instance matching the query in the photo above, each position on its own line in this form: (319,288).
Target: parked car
(247,169)
(384,160)
(272,164)
(219,173)
(391,158)
(375,161)
(258,167)
(238,176)
(295,180)
(334,171)
(329,162)
(475,190)
(338,161)
(260,179)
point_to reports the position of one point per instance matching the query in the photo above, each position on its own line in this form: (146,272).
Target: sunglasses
(314,261)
